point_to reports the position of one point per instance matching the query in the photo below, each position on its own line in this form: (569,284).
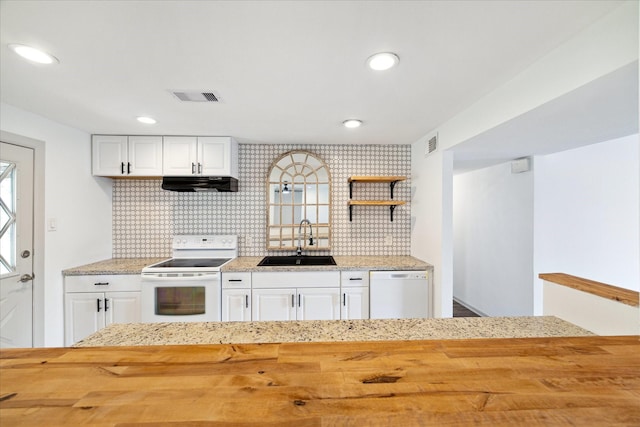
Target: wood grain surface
(376,202)
(376,178)
(615,293)
(581,381)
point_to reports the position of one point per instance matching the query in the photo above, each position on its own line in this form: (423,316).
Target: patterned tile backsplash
(145,217)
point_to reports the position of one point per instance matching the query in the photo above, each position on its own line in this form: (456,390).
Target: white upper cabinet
(109,154)
(145,155)
(180,155)
(119,156)
(202,155)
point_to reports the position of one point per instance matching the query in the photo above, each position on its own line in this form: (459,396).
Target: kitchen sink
(295,260)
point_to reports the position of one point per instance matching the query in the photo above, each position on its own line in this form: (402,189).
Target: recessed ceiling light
(383,61)
(32,54)
(147,120)
(352,123)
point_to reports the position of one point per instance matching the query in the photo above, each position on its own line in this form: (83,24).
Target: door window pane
(7,218)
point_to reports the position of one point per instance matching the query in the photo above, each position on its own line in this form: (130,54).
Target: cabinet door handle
(299,298)
(246,301)
(344,299)
(122,168)
(199,168)
(106,304)
(128,168)
(193,168)
(98,304)
(293,300)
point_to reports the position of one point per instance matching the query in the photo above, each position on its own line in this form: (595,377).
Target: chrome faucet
(304,221)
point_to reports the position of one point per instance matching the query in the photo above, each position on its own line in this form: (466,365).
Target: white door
(236,305)
(84,315)
(179,155)
(122,307)
(109,155)
(355,303)
(145,156)
(319,304)
(214,155)
(273,304)
(16,246)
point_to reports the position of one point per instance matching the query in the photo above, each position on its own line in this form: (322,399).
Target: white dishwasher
(398,294)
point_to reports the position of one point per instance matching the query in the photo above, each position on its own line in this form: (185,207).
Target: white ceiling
(604,109)
(286,72)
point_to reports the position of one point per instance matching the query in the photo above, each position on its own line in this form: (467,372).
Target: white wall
(80,203)
(613,40)
(493,240)
(587,217)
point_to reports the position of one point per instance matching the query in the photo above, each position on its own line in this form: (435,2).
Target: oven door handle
(207,276)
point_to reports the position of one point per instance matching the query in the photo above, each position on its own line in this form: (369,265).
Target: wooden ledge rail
(625,296)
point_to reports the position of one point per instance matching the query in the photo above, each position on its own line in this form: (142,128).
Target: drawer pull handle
(235,280)
(355,278)
(101,284)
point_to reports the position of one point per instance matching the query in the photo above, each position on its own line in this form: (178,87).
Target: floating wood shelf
(392,180)
(376,202)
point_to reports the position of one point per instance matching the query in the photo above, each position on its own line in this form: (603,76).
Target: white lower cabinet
(93,302)
(354,302)
(296,304)
(236,297)
(318,304)
(274,304)
(296,295)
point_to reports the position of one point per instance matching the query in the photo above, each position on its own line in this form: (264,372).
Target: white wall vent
(432,145)
(195,96)
(520,165)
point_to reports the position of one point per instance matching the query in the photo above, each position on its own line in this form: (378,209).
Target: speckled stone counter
(378,262)
(112,266)
(135,265)
(329,331)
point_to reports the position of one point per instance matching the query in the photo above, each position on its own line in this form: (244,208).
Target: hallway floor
(460,310)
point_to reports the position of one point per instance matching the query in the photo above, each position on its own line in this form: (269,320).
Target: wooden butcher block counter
(583,381)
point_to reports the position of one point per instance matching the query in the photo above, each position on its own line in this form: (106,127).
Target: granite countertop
(135,265)
(369,262)
(112,266)
(131,334)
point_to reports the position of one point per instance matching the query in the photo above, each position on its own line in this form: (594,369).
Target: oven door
(181,298)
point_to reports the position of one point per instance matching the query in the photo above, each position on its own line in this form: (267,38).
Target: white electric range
(187,287)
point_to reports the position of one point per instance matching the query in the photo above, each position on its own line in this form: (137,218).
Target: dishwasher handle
(419,275)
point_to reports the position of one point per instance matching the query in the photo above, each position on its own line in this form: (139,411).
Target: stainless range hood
(200,183)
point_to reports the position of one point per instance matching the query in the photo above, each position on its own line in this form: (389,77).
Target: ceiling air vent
(195,96)
(432,145)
